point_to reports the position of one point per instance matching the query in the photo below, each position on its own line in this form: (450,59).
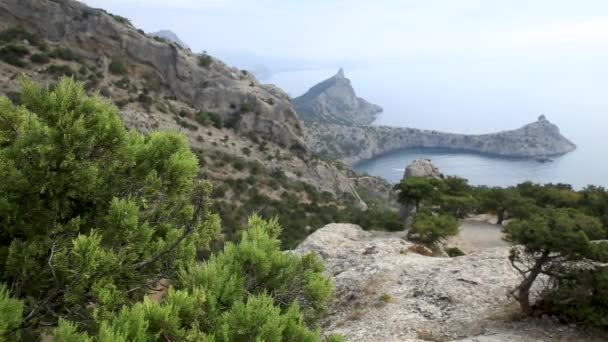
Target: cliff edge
(356,143)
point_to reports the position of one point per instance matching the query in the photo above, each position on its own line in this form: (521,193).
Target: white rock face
(422,168)
(356,143)
(386,293)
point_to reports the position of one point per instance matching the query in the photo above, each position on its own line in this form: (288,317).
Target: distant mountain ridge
(334,101)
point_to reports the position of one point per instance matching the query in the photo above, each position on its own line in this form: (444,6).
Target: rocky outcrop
(335,101)
(200,80)
(356,143)
(422,168)
(386,292)
(170,36)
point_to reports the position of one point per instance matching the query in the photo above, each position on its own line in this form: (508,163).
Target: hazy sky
(359,31)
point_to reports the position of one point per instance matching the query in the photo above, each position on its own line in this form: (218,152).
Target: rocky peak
(335,101)
(340,73)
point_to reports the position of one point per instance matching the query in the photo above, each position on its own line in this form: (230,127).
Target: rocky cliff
(206,83)
(356,143)
(385,291)
(227,115)
(335,101)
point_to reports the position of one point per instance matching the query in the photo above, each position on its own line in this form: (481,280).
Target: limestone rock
(422,168)
(356,143)
(335,101)
(384,292)
(211,86)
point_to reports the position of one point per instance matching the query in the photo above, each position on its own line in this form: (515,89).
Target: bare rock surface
(335,101)
(539,139)
(422,168)
(384,292)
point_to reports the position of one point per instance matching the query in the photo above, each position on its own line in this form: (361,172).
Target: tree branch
(187,231)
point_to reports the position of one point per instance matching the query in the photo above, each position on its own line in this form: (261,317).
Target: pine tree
(553,244)
(94,216)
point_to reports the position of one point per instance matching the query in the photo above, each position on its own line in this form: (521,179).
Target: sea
(462,96)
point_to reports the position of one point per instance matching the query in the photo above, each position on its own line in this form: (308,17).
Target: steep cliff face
(225,112)
(355,143)
(202,81)
(335,101)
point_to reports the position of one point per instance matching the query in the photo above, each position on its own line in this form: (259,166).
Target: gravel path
(476,235)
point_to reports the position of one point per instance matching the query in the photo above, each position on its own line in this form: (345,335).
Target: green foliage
(205,61)
(454,252)
(416,189)
(40,58)
(121,19)
(430,229)
(19,34)
(551,242)
(117,67)
(60,70)
(11,312)
(503,201)
(65,54)
(251,291)
(90,211)
(14,54)
(94,215)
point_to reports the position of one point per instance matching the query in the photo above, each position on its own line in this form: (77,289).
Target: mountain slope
(248,137)
(335,101)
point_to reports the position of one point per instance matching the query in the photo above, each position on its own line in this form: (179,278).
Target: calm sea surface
(457,96)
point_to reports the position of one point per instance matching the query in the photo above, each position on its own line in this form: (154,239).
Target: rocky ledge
(352,144)
(385,291)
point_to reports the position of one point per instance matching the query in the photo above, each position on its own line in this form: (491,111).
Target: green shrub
(117,67)
(60,70)
(98,240)
(186,124)
(454,252)
(206,118)
(429,229)
(40,58)
(13,54)
(65,54)
(239,164)
(551,242)
(205,61)
(18,34)
(121,19)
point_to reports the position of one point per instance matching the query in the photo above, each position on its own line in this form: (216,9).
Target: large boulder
(422,168)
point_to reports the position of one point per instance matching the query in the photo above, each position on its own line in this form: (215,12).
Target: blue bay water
(486,96)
